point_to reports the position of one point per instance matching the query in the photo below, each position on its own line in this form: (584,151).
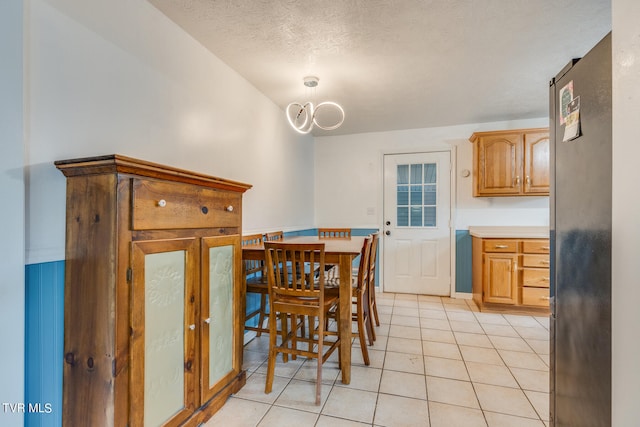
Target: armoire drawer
(159,205)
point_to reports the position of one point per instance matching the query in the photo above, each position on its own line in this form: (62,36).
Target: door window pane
(416,174)
(430,173)
(417,196)
(403,217)
(429,216)
(403,174)
(416,216)
(403,195)
(430,195)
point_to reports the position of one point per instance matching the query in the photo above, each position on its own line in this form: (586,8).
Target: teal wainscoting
(463,261)
(44,340)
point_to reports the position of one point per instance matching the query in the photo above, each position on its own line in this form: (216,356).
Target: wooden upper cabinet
(536,163)
(511,163)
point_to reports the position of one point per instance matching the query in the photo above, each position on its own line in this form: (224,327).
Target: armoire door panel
(221,332)
(163,332)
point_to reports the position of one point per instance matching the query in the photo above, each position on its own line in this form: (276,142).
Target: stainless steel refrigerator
(580,231)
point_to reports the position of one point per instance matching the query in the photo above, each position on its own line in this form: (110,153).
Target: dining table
(340,252)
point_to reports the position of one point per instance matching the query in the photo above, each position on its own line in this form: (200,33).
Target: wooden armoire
(153,327)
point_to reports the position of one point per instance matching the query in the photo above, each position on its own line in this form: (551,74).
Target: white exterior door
(417,223)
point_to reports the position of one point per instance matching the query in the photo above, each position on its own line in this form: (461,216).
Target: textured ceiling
(400,64)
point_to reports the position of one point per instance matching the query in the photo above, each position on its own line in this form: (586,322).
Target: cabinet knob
(207,320)
(229,208)
(192,327)
(162,203)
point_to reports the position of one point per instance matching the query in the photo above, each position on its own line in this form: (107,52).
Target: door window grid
(416,200)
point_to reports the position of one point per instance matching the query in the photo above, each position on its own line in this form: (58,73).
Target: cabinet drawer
(535,246)
(535,261)
(537,277)
(535,296)
(496,245)
(169,205)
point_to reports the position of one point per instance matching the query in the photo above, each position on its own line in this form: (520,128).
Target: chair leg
(361,326)
(373,306)
(284,330)
(263,304)
(294,334)
(271,364)
(369,319)
(319,360)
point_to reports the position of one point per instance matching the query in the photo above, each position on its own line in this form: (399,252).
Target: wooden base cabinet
(511,274)
(153,295)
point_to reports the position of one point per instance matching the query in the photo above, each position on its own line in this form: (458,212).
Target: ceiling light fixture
(302,117)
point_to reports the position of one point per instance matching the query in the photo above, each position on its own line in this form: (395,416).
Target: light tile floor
(436,362)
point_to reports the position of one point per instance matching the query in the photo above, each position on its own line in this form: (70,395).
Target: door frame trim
(452,149)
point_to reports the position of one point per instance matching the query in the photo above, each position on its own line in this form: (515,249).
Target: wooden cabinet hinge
(129,275)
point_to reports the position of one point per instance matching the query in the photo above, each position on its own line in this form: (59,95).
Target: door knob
(388,233)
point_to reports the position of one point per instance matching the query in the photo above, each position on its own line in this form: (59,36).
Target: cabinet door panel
(501,284)
(163,338)
(220,302)
(499,164)
(536,163)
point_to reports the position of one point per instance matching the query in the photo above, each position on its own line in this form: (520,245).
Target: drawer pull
(501,246)
(545,248)
(545,298)
(229,208)
(545,262)
(162,203)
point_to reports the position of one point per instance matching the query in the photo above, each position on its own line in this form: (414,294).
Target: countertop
(508,232)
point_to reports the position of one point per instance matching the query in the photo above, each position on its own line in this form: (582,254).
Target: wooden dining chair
(256,283)
(360,313)
(373,308)
(274,236)
(334,233)
(298,294)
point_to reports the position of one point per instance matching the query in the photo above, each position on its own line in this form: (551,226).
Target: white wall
(349,177)
(118,77)
(626,213)
(12,280)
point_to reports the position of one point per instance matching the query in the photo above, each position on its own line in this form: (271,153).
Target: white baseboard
(248,336)
(463,295)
